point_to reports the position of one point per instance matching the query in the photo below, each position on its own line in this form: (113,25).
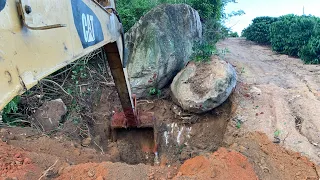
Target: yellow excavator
(39,37)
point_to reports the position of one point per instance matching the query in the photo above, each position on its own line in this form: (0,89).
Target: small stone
(242,149)
(169,176)
(18,155)
(77,152)
(91,173)
(151,175)
(86,142)
(255,90)
(19,159)
(184,155)
(18,162)
(179,174)
(27,161)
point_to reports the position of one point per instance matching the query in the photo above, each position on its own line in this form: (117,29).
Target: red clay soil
(14,162)
(84,171)
(222,164)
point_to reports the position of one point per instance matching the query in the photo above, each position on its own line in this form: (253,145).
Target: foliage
(277,133)
(233,34)
(310,53)
(202,51)
(259,30)
(154,91)
(11,107)
(291,33)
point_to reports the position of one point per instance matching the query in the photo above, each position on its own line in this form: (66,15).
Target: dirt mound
(85,171)
(271,161)
(223,164)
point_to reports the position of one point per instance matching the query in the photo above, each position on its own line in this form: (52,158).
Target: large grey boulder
(201,87)
(159,45)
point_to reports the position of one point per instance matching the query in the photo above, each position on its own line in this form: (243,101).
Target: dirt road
(277,95)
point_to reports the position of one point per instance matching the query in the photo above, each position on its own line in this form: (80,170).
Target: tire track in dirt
(289,89)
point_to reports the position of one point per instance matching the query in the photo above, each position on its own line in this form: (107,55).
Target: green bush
(233,34)
(291,33)
(11,107)
(310,53)
(259,30)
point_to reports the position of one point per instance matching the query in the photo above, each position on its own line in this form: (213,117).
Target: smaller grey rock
(202,87)
(49,115)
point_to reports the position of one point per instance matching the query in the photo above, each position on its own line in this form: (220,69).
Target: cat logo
(88,28)
(87,24)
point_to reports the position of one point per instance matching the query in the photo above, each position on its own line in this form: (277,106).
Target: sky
(274,8)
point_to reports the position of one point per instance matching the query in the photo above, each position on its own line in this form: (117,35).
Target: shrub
(233,34)
(291,33)
(11,107)
(310,53)
(259,30)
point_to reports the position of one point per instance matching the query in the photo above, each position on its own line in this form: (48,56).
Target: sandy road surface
(289,101)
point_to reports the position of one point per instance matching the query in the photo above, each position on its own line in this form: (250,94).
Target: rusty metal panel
(31,49)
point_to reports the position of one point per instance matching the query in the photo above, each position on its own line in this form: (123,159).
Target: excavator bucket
(131,117)
(140,119)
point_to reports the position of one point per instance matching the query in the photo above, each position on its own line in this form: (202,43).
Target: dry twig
(49,169)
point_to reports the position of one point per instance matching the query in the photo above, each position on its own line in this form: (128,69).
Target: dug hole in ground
(255,134)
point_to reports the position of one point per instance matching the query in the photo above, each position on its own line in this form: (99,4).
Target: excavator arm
(39,37)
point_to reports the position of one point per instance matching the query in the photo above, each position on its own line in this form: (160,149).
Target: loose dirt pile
(222,164)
